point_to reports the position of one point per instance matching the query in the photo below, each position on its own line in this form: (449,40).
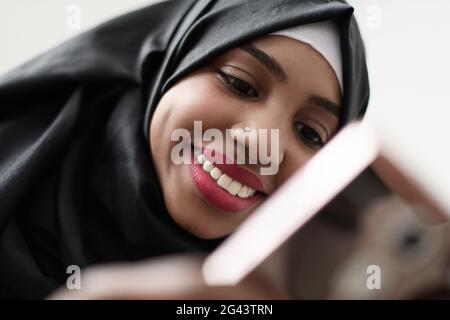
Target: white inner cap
(324,37)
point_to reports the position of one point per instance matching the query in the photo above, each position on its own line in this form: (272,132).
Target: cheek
(194,99)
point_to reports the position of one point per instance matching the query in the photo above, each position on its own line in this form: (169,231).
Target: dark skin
(301,98)
(296,92)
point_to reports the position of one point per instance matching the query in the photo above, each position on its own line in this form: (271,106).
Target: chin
(202,230)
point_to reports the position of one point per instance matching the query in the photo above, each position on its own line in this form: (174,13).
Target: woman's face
(273,83)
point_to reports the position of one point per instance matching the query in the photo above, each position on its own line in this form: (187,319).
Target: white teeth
(207,166)
(243,192)
(201,159)
(233,187)
(215,173)
(224,181)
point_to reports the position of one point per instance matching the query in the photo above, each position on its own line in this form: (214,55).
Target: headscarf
(323,37)
(77,181)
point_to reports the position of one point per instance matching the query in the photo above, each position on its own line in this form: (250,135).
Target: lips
(218,195)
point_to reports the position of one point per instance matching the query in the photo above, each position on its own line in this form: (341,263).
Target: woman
(86,174)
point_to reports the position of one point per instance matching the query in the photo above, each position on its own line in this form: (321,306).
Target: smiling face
(272,83)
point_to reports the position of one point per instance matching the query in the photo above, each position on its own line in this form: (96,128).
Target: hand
(171,277)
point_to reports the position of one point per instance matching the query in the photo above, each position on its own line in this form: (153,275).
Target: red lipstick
(218,197)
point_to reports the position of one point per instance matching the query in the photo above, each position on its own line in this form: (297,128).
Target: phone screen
(367,243)
(341,228)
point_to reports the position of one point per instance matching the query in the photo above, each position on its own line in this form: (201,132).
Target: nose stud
(247,129)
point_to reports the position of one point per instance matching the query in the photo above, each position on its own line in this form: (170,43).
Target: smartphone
(349,225)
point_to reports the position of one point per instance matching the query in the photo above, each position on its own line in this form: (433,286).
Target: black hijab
(77,182)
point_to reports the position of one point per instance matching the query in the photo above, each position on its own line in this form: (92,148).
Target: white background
(408,49)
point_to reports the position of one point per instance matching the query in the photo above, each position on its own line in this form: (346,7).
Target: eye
(237,85)
(309,135)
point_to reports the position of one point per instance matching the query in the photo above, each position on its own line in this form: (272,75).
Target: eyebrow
(266,60)
(277,71)
(326,104)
